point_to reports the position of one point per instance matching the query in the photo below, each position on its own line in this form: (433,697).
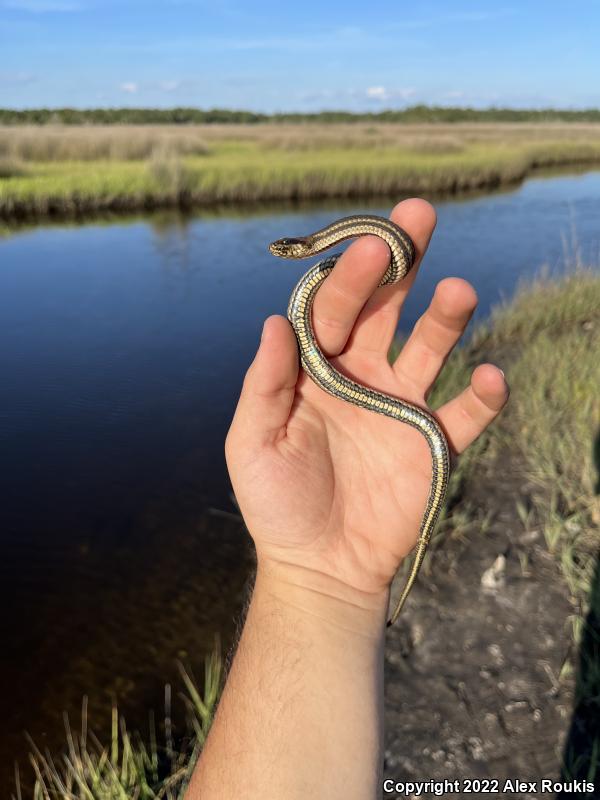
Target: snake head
(289,247)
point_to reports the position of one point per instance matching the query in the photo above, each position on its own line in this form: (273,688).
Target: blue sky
(307,55)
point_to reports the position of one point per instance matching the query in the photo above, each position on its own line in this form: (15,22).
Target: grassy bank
(54,170)
(547,340)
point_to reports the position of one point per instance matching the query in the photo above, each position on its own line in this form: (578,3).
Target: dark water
(122,350)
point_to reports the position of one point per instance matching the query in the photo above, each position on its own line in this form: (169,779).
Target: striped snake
(338,385)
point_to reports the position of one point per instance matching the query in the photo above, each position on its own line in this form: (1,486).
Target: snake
(330,380)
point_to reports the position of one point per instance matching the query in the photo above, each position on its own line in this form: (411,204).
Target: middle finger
(349,287)
(346,290)
(421,359)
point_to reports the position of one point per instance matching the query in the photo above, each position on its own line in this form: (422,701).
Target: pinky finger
(466,417)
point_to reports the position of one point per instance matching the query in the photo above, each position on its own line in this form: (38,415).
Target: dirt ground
(473,664)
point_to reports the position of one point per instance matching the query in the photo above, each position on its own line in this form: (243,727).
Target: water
(122,351)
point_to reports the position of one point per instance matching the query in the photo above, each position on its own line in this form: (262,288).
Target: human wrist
(321,598)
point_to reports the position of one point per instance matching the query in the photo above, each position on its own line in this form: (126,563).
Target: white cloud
(377,93)
(381,94)
(43,6)
(129,86)
(372,93)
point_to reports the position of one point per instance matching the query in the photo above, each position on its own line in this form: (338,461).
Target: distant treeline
(182,116)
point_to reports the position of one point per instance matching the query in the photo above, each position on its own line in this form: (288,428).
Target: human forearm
(301,714)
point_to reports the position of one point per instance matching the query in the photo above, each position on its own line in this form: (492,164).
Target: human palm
(331,487)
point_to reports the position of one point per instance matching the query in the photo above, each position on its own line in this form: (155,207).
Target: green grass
(128,766)
(547,338)
(74,171)
(551,332)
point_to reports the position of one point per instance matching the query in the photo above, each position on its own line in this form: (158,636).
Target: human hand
(330,488)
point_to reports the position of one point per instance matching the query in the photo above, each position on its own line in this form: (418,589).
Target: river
(123,345)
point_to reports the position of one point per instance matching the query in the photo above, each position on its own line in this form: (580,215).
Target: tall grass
(138,142)
(97,143)
(74,170)
(548,338)
(556,414)
(11,167)
(127,767)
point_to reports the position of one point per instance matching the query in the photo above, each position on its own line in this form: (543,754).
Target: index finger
(357,274)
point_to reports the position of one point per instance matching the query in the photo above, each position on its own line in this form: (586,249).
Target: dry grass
(138,142)
(11,167)
(98,143)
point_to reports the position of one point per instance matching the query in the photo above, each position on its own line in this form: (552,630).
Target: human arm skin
(332,496)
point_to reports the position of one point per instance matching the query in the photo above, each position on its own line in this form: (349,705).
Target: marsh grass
(97,143)
(79,169)
(138,142)
(548,337)
(167,169)
(11,167)
(556,423)
(127,766)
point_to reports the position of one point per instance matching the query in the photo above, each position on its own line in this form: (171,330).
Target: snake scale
(330,380)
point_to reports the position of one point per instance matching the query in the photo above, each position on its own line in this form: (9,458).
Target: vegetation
(548,336)
(553,333)
(71,170)
(129,767)
(180,116)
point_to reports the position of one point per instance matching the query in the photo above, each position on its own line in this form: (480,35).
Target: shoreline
(77,205)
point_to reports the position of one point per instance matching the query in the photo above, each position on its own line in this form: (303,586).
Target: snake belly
(333,382)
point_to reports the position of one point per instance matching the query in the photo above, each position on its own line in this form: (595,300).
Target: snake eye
(289,247)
